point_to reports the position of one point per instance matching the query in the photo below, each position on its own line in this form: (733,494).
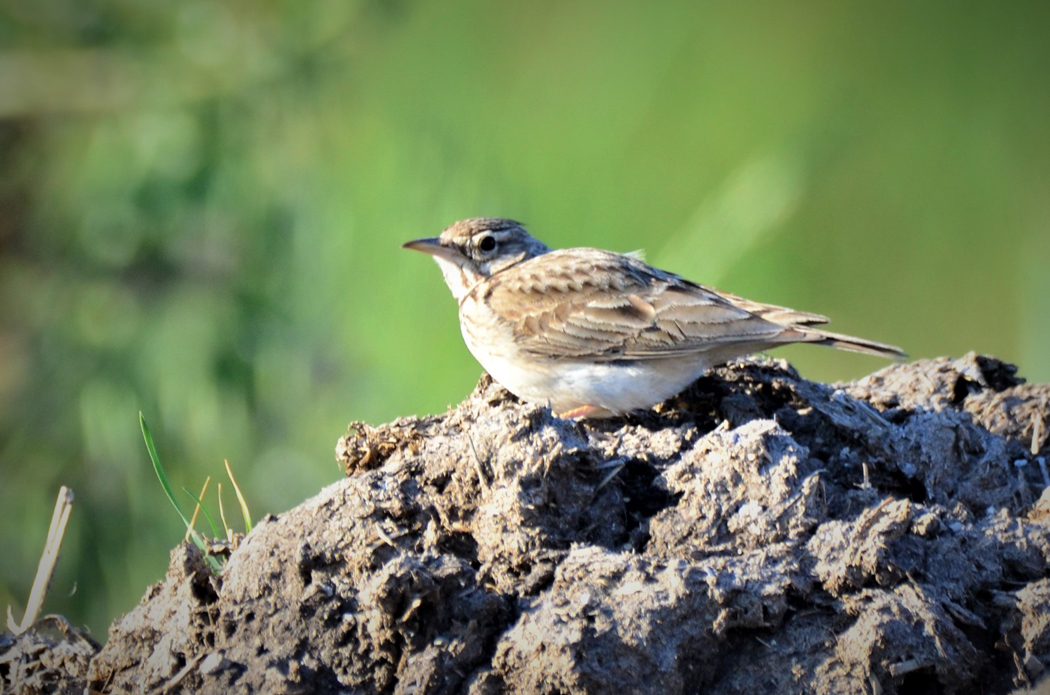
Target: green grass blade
(207,514)
(159,469)
(163,478)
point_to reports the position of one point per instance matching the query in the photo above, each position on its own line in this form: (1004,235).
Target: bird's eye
(487,244)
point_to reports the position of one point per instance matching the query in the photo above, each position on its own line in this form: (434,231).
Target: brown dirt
(760,533)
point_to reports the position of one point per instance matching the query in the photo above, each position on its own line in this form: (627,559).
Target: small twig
(384,536)
(482,478)
(1037,432)
(866,485)
(608,478)
(46,568)
(617,464)
(177,679)
(771,645)
(902,668)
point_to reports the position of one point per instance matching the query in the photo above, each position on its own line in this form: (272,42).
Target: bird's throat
(459,278)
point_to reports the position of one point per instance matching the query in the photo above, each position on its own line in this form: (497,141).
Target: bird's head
(472,250)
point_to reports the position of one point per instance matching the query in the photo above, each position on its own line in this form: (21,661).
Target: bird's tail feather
(853,344)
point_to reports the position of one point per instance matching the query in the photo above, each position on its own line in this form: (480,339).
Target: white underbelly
(619,386)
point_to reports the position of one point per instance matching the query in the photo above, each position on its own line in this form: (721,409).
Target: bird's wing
(602,305)
(771,312)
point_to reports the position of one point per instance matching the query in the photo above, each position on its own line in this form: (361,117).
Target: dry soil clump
(759,533)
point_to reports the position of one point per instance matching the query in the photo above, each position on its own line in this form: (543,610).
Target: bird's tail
(851,343)
(801,327)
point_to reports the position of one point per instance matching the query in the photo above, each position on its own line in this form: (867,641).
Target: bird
(592,333)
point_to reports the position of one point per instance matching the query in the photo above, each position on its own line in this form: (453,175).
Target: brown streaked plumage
(596,333)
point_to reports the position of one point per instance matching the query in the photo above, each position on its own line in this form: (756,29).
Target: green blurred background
(201,206)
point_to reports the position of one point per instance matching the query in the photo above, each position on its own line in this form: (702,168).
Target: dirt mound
(758,533)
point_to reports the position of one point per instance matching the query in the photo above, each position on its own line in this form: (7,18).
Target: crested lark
(593,333)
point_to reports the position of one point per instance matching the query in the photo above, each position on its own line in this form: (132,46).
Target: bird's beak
(433,246)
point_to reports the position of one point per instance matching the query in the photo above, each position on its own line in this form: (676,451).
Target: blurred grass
(201,206)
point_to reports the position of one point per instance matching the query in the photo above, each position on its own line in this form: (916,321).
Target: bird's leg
(584,412)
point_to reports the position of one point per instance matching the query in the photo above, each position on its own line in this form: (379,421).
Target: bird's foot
(584,412)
